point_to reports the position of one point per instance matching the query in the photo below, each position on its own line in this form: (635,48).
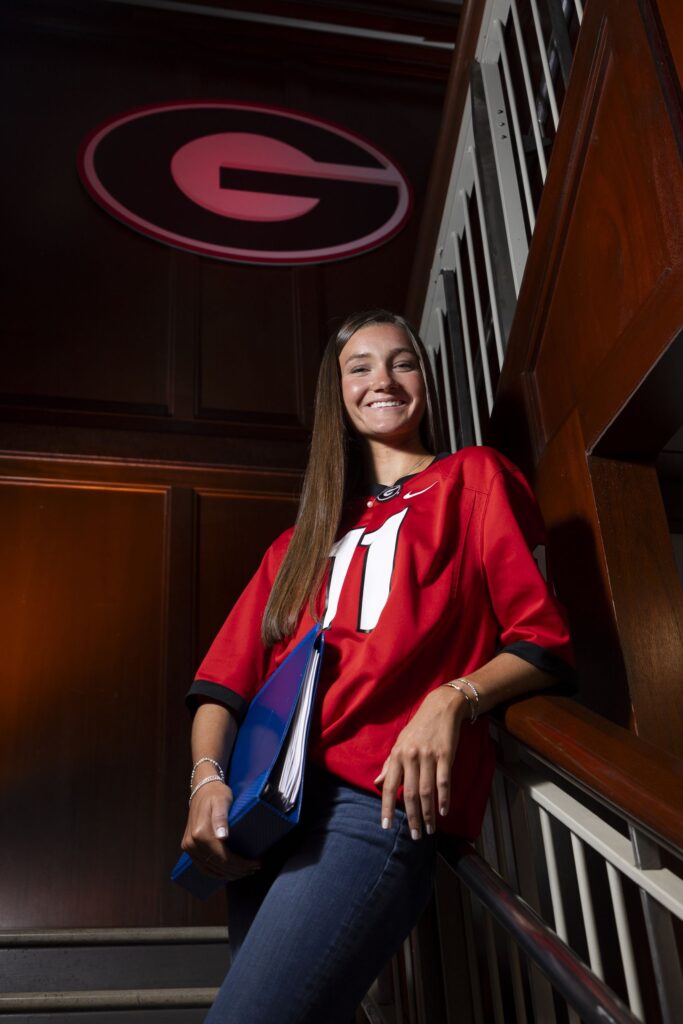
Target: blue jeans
(334,900)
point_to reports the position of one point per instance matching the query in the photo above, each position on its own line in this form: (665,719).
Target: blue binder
(261,813)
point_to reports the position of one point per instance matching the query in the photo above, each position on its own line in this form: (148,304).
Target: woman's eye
(359,369)
(408,365)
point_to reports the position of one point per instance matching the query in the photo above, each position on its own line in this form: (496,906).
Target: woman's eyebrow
(368,355)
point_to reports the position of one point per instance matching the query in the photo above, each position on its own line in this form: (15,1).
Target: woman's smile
(382,385)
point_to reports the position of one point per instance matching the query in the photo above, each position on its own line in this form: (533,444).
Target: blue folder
(260,814)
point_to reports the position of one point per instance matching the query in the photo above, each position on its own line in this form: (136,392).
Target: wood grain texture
(233,532)
(83,589)
(647,596)
(104,587)
(641,780)
(605,263)
(104,327)
(580,571)
(592,365)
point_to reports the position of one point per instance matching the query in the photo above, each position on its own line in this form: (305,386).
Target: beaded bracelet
(205,760)
(209,778)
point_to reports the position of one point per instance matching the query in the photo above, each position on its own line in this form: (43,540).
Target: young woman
(420,567)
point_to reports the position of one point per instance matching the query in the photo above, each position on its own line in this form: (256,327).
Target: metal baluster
(477,305)
(625,944)
(506,868)
(521,156)
(396,988)
(517,983)
(594,955)
(553,874)
(544,61)
(466,340)
(660,932)
(448,390)
(555,889)
(477,193)
(557,9)
(529,91)
(472,962)
(492,957)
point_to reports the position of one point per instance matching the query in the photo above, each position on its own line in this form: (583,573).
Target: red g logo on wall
(244,182)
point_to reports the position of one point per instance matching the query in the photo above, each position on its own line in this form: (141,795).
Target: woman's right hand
(206,835)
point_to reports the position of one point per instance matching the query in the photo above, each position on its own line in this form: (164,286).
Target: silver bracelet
(209,778)
(470,703)
(473,688)
(205,760)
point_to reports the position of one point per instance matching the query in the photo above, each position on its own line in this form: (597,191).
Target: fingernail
(221,832)
(430,830)
(442,811)
(386,822)
(414,833)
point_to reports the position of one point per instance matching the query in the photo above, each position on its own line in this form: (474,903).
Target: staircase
(111,976)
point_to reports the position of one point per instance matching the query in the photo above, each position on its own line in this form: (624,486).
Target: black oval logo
(244,182)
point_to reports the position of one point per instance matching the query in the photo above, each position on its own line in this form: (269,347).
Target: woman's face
(382,386)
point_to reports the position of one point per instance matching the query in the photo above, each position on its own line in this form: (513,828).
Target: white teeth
(384,405)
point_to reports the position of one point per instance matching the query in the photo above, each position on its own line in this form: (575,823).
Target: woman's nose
(383,379)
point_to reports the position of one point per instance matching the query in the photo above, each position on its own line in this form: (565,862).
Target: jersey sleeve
(235,665)
(533,623)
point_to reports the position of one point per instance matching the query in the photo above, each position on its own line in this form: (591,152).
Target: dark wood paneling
(82,626)
(114,581)
(164,402)
(618,263)
(562,481)
(233,532)
(105,327)
(87,304)
(590,367)
(252,359)
(648,600)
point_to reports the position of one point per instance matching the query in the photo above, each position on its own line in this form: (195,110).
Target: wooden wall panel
(154,416)
(98,320)
(589,389)
(75,335)
(580,570)
(233,533)
(648,602)
(253,365)
(82,627)
(231,530)
(619,287)
(110,594)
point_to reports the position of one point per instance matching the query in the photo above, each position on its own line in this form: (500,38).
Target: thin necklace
(427,455)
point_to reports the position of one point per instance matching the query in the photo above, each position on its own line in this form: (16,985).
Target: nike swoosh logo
(414,494)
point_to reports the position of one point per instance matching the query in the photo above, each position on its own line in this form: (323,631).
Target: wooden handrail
(644,783)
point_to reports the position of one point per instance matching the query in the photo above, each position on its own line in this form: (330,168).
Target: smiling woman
(419,567)
(382,386)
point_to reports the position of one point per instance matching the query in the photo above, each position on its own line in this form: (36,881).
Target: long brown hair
(334,469)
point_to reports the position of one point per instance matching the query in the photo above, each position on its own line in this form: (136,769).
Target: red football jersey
(428,580)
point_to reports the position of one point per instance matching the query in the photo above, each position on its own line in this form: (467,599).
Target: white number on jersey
(377,572)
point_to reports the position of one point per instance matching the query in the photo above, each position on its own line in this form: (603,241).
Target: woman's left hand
(421,759)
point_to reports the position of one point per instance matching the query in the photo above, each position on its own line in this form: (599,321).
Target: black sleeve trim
(547,662)
(214,691)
